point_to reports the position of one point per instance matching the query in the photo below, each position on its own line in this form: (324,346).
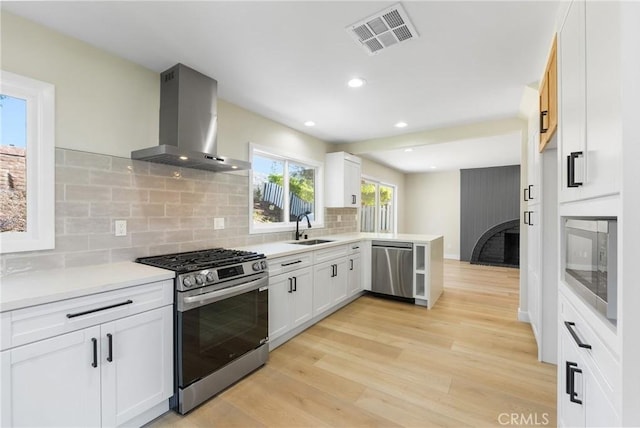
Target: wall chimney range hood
(188,123)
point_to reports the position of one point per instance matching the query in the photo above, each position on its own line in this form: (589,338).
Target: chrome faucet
(304,214)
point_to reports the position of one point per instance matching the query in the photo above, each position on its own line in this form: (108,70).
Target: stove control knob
(255,266)
(187,281)
(199,279)
(263,264)
(210,277)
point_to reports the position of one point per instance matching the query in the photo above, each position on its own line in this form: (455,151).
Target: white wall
(432,206)
(104,104)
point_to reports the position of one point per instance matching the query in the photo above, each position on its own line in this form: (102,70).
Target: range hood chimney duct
(188,123)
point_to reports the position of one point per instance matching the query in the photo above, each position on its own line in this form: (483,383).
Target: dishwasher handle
(407,246)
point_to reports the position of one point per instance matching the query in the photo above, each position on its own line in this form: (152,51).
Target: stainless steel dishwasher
(392,268)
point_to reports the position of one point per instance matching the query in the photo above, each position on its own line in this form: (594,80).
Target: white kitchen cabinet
(342,180)
(354,274)
(98,376)
(428,274)
(587,373)
(590,101)
(290,301)
(329,284)
(583,398)
(98,360)
(137,364)
(52,382)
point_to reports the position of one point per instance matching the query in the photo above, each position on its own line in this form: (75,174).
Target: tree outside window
(282,190)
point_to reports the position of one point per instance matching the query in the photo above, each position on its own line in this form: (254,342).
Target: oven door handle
(214,296)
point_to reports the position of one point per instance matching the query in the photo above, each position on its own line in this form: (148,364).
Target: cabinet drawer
(40,322)
(354,247)
(286,264)
(599,356)
(325,254)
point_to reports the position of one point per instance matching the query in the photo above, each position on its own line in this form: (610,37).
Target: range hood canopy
(188,123)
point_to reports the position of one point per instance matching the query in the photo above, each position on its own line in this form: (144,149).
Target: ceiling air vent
(383,29)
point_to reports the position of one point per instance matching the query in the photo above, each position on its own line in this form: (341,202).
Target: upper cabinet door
(549,99)
(590,89)
(342,180)
(603,99)
(572,95)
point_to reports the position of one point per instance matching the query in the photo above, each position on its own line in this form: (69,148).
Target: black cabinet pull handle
(291,263)
(524,195)
(104,308)
(573,395)
(571,169)
(335,268)
(95,352)
(290,285)
(579,342)
(295,283)
(351,261)
(110,340)
(353,199)
(543,114)
(568,383)
(529,187)
(530,222)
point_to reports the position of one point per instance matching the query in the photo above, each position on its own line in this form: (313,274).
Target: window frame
(287,226)
(376,222)
(40,174)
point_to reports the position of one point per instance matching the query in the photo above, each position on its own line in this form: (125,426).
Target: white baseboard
(523,316)
(452,256)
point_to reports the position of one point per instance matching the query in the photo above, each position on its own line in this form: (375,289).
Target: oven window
(213,335)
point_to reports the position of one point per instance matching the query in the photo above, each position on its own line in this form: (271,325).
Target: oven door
(216,327)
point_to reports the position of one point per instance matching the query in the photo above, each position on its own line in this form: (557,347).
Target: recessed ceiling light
(356,82)
(408,150)
(309,123)
(401,125)
(433,167)
(183,158)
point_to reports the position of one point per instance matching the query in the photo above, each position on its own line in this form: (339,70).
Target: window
(377,209)
(26,164)
(283,188)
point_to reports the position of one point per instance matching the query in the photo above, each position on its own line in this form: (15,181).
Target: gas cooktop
(202,259)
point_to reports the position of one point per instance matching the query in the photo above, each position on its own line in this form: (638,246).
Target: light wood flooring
(377,362)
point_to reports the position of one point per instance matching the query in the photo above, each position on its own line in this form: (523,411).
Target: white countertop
(39,287)
(285,248)
(46,286)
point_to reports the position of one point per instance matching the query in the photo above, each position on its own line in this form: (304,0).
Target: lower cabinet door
(323,275)
(354,275)
(302,307)
(280,301)
(53,382)
(137,364)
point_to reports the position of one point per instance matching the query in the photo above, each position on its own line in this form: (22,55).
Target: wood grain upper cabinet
(549,99)
(342,180)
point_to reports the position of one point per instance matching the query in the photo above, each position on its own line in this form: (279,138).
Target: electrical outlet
(121,228)
(218,223)
(339,218)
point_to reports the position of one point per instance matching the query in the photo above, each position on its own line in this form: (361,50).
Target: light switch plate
(339,218)
(218,223)
(121,228)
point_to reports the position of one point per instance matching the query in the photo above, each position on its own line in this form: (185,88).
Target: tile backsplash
(167,210)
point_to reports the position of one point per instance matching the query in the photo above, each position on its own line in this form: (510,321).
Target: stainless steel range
(221,320)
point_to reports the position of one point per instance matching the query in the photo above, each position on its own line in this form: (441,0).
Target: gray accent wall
(488,196)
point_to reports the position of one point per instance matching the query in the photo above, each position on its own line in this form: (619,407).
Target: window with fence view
(282,189)
(377,207)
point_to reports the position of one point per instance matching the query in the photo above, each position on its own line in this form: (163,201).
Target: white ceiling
(485,152)
(290,61)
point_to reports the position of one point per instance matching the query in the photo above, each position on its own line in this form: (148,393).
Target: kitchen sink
(311,241)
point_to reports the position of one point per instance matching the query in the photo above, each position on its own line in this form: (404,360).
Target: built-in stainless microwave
(590,262)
